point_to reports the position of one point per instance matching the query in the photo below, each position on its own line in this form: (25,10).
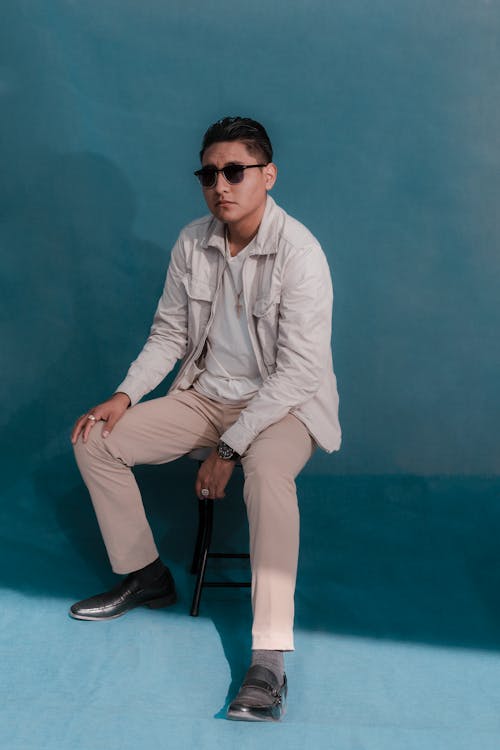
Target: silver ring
(91,417)
(205,492)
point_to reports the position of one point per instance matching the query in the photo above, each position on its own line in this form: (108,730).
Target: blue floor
(397,638)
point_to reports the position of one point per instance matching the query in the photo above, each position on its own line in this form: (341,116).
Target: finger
(89,424)
(111,415)
(203,491)
(75,432)
(86,431)
(109,423)
(78,427)
(197,487)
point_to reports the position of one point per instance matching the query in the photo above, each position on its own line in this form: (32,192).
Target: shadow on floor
(393,557)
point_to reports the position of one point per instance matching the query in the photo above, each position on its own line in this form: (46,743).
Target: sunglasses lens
(207,176)
(234,173)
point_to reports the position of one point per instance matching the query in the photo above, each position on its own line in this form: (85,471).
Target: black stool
(202,545)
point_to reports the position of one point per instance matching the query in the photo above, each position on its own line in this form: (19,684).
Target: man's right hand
(109,412)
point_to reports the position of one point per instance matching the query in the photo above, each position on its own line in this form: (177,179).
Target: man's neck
(236,242)
(240,234)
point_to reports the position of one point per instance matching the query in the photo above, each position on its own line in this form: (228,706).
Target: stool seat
(203,541)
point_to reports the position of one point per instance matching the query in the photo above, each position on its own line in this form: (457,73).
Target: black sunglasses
(233,173)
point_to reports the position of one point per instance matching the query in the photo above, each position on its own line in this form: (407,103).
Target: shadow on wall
(72,270)
(405,557)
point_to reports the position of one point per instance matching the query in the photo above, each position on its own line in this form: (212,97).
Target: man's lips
(225,203)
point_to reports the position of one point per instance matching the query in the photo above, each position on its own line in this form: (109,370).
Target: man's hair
(244,129)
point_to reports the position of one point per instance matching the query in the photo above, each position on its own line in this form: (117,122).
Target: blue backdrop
(385,117)
(385,120)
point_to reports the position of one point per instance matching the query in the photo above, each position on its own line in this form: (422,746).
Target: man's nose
(221,184)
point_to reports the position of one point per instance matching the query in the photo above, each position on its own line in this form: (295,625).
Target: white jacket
(288,297)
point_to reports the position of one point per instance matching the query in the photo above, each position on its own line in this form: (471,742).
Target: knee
(263,475)
(270,489)
(90,451)
(260,471)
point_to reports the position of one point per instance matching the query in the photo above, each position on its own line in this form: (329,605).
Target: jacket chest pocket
(200,296)
(266,319)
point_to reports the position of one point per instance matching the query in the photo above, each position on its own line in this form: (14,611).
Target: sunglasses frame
(205,170)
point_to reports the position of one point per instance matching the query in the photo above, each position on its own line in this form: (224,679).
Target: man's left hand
(214,474)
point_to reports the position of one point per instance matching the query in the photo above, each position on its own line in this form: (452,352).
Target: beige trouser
(161,430)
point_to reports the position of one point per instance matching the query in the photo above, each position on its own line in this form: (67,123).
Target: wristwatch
(225,452)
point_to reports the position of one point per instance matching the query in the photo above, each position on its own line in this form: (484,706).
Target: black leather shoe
(261,697)
(128,594)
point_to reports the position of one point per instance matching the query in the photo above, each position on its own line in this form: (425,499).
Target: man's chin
(226,213)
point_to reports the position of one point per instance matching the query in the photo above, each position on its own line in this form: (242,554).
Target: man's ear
(270,174)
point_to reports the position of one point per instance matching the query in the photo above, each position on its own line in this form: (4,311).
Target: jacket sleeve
(167,340)
(303,347)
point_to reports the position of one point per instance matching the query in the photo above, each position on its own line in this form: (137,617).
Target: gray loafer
(261,697)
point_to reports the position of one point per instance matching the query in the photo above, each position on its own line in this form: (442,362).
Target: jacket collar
(264,242)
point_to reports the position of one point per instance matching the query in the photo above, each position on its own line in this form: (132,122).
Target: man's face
(235,204)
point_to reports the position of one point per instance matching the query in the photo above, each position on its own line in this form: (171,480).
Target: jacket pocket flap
(263,305)
(198,289)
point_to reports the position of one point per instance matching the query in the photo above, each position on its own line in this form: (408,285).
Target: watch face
(224,450)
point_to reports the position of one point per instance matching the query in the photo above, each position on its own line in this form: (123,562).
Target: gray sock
(273,660)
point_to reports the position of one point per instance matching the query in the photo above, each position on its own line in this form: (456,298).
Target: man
(247,308)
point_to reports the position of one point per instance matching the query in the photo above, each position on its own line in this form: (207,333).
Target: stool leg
(206,518)
(195,565)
